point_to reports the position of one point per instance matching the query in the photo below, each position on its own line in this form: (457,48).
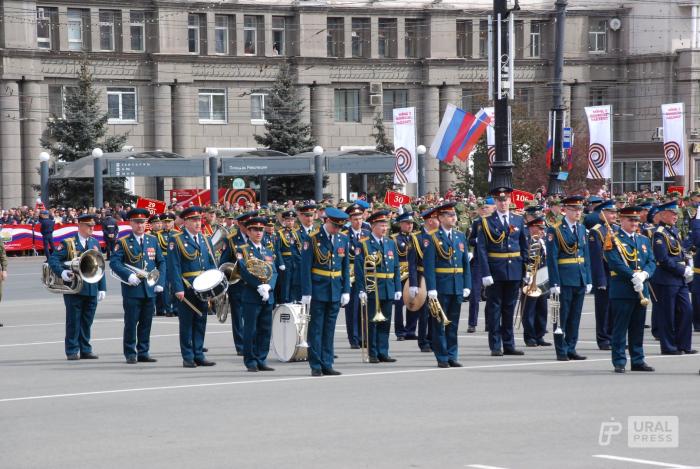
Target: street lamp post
(44,174)
(97,178)
(213,175)
(318,173)
(420,151)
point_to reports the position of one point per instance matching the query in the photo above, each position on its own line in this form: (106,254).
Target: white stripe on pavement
(481,466)
(640,461)
(104,339)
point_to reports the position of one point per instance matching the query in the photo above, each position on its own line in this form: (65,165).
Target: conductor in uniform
(190,254)
(142,251)
(80,308)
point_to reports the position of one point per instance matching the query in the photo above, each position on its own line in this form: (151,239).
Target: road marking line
(640,461)
(307,378)
(104,339)
(481,466)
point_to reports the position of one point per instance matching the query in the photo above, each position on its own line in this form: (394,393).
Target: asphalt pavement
(526,411)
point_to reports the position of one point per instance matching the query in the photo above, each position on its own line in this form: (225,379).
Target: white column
(694,20)
(10,146)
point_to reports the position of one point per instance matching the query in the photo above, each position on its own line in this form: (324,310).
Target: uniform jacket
(407,255)
(64,252)
(250,282)
(447,263)
(128,251)
(564,268)
(502,250)
(47,225)
(622,270)
(670,260)
(388,270)
(187,258)
(325,266)
(110,228)
(600,272)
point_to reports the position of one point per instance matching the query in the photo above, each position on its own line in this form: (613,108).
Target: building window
(597,95)
(221,34)
(250,35)
(75,29)
(57,100)
(137,29)
(279,46)
(387,37)
(639,175)
(106,30)
(597,36)
(464,38)
(335,33)
(43,29)
(524,97)
(393,99)
(193,33)
(483,39)
(467,100)
(535,39)
(257,108)
(360,37)
(212,106)
(414,32)
(121,105)
(347,105)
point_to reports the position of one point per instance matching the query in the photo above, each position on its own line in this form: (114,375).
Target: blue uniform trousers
(48,244)
(192,328)
(695,290)
(110,243)
(352,318)
(80,312)
(444,339)
(424,327)
(501,299)
(603,320)
(378,344)
(675,317)
(654,310)
(165,301)
(628,325)
(399,324)
(475,295)
(535,319)
(323,315)
(138,316)
(571,302)
(257,329)
(411,324)
(236,313)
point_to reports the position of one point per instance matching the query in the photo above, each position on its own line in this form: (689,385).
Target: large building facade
(183,76)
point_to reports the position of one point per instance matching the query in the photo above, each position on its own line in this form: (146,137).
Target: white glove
(101,295)
(283,268)
(638,287)
(640,277)
(67,275)
(306,299)
(264,290)
(265,296)
(158,289)
(432,294)
(527,279)
(555,290)
(344,299)
(602,288)
(589,287)
(471,256)
(362,295)
(697,214)
(412,292)
(134,280)
(688,272)
(487,281)
(466,292)
(397,296)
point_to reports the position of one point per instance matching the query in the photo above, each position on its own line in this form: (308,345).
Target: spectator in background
(47,225)
(110,231)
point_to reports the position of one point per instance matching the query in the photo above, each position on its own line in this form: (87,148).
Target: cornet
(151,277)
(554,309)
(437,312)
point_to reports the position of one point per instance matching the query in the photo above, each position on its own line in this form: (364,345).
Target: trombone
(371,286)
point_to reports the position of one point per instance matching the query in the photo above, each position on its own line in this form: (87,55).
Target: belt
(382,275)
(419,268)
(503,255)
(614,274)
(403,264)
(696,270)
(571,260)
(327,273)
(449,270)
(286,253)
(191,274)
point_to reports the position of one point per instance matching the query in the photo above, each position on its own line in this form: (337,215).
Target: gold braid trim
(441,252)
(627,255)
(568,249)
(487,230)
(417,245)
(183,251)
(70,248)
(320,257)
(395,237)
(283,238)
(671,250)
(131,257)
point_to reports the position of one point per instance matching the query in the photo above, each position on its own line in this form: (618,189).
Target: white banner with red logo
(406,169)
(600,141)
(673,118)
(491,137)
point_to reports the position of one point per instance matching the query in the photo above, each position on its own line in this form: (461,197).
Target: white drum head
(207,280)
(285,336)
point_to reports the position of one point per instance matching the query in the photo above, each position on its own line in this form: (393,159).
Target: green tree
(74,136)
(286,131)
(378,184)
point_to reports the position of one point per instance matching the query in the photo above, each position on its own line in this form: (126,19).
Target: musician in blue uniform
(325,287)
(356,234)
(167,297)
(405,330)
(239,238)
(80,307)
(386,278)
(600,272)
(694,240)
(486,208)
(142,251)
(422,241)
(632,263)
(670,284)
(47,224)
(592,215)
(258,276)
(447,279)
(569,268)
(306,213)
(289,246)
(535,309)
(502,247)
(189,254)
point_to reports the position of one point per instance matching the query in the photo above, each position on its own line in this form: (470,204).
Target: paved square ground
(508,412)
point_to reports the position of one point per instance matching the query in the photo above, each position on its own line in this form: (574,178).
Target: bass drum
(543,279)
(210,285)
(289,327)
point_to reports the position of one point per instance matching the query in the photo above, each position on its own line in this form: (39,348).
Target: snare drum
(210,285)
(289,333)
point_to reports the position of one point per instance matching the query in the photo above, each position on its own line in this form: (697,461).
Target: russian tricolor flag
(458,134)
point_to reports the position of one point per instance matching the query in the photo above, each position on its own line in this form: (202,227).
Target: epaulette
(596,227)
(314,232)
(660,229)
(177,233)
(432,231)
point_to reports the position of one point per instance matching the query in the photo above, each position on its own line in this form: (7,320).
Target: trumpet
(437,312)
(554,310)
(151,277)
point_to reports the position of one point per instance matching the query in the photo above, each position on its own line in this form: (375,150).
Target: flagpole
(558,108)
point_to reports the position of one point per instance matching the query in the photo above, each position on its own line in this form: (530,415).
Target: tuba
(89,267)
(218,238)
(151,277)
(230,270)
